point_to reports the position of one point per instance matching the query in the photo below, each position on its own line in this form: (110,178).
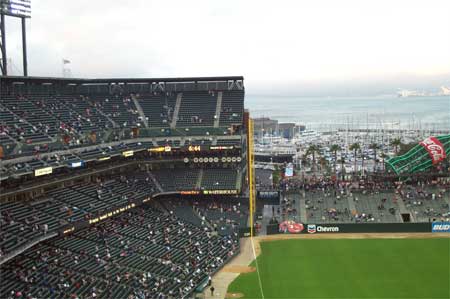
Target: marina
(339,151)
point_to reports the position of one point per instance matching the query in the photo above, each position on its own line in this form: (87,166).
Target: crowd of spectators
(226,215)
(327,200)
(143,253)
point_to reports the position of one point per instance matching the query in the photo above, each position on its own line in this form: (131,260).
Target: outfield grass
(356,268)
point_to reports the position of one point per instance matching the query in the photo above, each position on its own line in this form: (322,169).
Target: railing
(105,145)
(26,246)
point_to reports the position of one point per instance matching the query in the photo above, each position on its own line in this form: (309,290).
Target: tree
(374,147)
(334,149)
(276,176)
(396,144)
(313,150)
(323,163)
(355,147)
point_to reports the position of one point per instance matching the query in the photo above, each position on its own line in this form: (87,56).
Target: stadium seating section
(40,123)
(94,229)
(145,253)
(158,108)
(384,206)
(24,221)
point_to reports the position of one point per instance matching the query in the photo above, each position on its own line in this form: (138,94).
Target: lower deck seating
(424,203)
(183,179)
(183,209)
(225,214)
(219,179)
(21,222)
(140,254)
(177,180)
(24,221)
(427,204)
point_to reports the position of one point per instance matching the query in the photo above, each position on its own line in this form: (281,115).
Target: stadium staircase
(173,124)
(403,210)
(155,181)
(205,220)
(107,134)
(218,109)
(239,180)
(302,209)
(115,125)
(17,148)
(198,184)
(140,111)
(351,204)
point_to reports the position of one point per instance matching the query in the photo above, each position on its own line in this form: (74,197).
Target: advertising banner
(220,192)
(434,148)
(43,171)
(312,228)
(291,227)
(76,164)
(221,147)
(289,171)
(128,153)
(209,192)
(440,227)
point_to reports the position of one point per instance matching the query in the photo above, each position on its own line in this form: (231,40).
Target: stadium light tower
(17,9)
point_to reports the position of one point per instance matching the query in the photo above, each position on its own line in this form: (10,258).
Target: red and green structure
(426,155)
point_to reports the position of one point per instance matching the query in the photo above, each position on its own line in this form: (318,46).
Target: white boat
(309,133)
(307,136)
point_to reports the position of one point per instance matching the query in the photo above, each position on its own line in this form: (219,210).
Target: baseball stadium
(141,188)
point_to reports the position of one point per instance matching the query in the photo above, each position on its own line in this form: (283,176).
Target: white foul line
(257,269)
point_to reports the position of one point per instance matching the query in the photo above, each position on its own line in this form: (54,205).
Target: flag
(66,61)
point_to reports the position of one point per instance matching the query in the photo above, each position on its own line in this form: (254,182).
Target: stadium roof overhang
(56,80)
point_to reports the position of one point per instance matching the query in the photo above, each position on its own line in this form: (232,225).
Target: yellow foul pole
(251,177)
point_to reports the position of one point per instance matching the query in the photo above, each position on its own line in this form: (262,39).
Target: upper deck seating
(197,108)
(158,108)
(232,107)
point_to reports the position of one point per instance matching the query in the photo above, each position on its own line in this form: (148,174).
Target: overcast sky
(301,46)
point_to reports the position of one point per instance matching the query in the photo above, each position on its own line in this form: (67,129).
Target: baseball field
(347,268)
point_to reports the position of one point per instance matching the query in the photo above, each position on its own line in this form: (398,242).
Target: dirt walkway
(222,279)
